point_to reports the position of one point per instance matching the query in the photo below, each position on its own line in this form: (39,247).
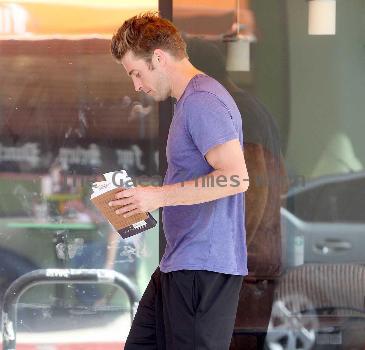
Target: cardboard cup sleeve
(126,227)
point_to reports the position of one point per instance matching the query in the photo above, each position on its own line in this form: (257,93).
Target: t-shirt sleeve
(208,121)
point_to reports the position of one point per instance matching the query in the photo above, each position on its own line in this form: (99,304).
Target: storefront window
(301,101)
(68,114)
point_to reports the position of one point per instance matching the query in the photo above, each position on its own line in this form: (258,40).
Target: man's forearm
(217,184)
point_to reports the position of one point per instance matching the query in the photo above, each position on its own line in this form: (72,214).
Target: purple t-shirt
(207,236)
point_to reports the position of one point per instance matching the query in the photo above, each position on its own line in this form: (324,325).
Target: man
(191,300)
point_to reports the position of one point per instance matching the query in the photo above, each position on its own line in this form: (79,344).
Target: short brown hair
(144,33)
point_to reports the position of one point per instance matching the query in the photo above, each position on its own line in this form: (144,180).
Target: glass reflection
(68,115)
(304,151)
(267,182)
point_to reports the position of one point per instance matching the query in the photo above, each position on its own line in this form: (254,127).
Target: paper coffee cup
(126,227)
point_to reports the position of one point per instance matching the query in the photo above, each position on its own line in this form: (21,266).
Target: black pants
(186,310)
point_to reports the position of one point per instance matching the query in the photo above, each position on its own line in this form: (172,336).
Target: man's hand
(138,200)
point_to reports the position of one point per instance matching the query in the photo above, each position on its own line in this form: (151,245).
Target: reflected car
(319,301)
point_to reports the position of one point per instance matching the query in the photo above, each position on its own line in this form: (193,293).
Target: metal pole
(51,276)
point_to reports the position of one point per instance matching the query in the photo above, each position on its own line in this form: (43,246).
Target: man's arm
(228,163)
(228,178)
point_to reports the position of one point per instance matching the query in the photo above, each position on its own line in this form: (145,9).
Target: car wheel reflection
(293,324)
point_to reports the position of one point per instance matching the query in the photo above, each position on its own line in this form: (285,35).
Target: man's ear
(159,57)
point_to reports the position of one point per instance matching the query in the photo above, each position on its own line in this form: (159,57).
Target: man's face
(153,82)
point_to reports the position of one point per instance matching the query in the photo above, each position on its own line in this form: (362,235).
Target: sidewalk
(99,331)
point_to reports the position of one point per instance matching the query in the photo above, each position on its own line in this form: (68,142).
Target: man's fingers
(132,212)
(121,202)
(126,209)
(124,194)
